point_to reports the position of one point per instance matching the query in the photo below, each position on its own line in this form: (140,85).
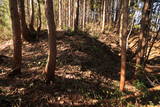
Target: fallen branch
(156,88)
(152,43)
(152,68)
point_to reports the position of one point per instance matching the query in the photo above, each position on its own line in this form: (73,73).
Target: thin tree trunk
(51,63)
(107,13)
(28,11)
(76,23)
(84,14)
(31,25)
(117,12)
(87,12)
(24,28)
(65,14)
(144,32)
(124,25)
(152,43)
(59,18)
(118,24)
(110,15)
(104,15)
(40,20)
(17,42)
(69,12)
(74,12)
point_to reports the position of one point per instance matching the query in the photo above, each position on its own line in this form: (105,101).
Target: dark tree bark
(40,20)
(24,28)
(51,63)
(117,20)
(31,25)
(76,21)
(144,32)
(110,15)
(17,42)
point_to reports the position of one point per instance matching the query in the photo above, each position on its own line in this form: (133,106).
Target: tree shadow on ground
(66,92)
(63,92)
(81,50)
(91,54)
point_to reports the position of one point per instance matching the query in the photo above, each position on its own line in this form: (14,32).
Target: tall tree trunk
(144,32)
(74,13)
(69,14)
(117,11)
(31,25)
(65,14)
(123,32)
(110,15)
(40,20)
(104,15)
(87,11)
(28,11)
(24,28)
(51,63)
(117,20)
(17,42)
(59,18)
(107,13)
(118,24)
(84,14)
(76,23)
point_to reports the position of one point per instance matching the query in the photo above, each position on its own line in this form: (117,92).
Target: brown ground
(87,72)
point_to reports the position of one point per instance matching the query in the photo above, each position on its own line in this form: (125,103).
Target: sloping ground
(87,72)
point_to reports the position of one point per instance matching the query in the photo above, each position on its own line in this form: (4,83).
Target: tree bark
(87,12)
(31,25)
(110,15)
(17,42)
(51,63)
(104,16)
(74,13)
(40,20)
(28,11)
(24,28)
(76,22)
(123,32)
(84,14)
(69,14)
(144,32)
(59,18)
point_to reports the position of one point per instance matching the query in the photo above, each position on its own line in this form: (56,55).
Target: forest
(79,53)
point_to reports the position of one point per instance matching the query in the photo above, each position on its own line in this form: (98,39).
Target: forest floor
(87,74)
